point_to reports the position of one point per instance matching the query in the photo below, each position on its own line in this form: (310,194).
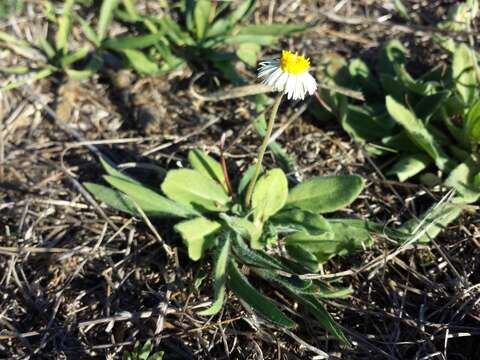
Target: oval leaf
(326,193)
(207,166)
(269,195)
(197,235)
(190,187)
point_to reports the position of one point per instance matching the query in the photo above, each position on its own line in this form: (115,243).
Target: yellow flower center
(293,63)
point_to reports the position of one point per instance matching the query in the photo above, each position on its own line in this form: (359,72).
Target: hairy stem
(263,148)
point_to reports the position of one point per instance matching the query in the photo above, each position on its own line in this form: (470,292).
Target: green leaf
(73,57)
(113,171)
(220,279)
(304,257)
(105,18)
(409,165)
(190,187)
(246,177)
(364,125)
(133,42)
(351,235)
(207,166)
(242,11)
(37,75)
(265,40)
(418,133)
(141,62)
(324,318)
(246,229)
(149,200)
(261,304)
(272,30)
(471,128)
(201,15)
(88,31)
(198,235)
(291,282)
(464,73)
(392,53)
(428,105)
(462,179)
(248,52)
(64,26)
(113,198)
(255,258)
(326,193)
(301,220)
(402,10)
(269,195)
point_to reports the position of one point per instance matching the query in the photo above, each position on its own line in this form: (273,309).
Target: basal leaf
(418,133)
(64,26)
(220,279)
(207,166)
(258,302)
(471,128)
(272,30)
(324,194)
(191,188)
(141,62)
(113,198)
(464,73)
(462,179)
(269,195)
(149,200)
(106,15)
(247,52)
(409,165)
(201,15)
(198,235)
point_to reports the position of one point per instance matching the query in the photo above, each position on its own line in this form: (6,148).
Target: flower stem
(263,148)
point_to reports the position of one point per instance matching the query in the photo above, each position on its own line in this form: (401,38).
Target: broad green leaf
(464,73)
(141,62)
(409,165)
(324,194)
(220,279)
(201,14)
(272,30)
(409,83)
(324,318)
(351,236)
(462,179)
(304,257)
(105,18)
(247,52)
(114,198)
(364,125)
(132,42)
(197,235)
(319,242)
(269,195)
(261,304)
(207,166)
(362,77)
(301,220)
(64,26)
(111,170)
(418,133)
(471,128)
(190,187)
(149,200)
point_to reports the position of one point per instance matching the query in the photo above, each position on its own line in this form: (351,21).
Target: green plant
(425,126)
(211,218)
(143,352)
(202,31)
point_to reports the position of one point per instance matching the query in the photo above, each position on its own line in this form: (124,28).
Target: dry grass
(81,281)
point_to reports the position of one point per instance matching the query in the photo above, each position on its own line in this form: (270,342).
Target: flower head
(289,74)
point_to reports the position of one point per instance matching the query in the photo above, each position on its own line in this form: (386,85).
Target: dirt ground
(79,280)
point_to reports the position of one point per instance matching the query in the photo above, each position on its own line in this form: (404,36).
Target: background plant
(427,126)
(203,33)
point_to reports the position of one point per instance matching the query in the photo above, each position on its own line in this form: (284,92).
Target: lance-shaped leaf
(220,279)
(298,219)
(419,134)
(324,194)
(471,128)
(207,166)
(409,165)
(198,235)
(190,187)
(464,73)
(245,228)
(106,15)
(149,200)
(201,15)
(462,179)
(114,198)
(269,195)
(258,302)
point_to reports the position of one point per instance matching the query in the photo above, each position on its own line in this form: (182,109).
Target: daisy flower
(289,74)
